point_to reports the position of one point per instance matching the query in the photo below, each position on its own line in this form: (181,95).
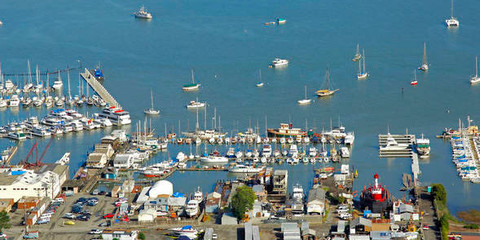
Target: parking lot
(58,226)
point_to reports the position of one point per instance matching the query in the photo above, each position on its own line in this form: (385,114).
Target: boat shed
(360,225)
(291,231)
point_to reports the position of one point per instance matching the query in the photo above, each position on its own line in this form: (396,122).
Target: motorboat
(58,84)
(279,63)
(349,138)
(344,152)
(312,151)
(267,150)
(116,115)
(245,169)
(281,21)
(422,145)
(142,13)
(391,144)
(198,195)
(14,101)
(192,208)
(195,104)
(293,151)
(214,159)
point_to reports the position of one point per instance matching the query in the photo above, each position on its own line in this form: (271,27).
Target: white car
(96,231)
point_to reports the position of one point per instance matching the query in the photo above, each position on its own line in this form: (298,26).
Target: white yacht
(475,79)
(392,144)
(349,138)
(214,159)
(267,150)
(3,103)
(344,152)
(312,151)
(142,13)
(279,63)
(195,104)
(245,169)
(14,101)
(452,21)
(293,151)
(116,115)
(192,208)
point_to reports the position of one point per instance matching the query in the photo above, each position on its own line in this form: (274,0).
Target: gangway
(99,89)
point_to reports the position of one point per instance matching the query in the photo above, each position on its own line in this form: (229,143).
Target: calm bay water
(226,43)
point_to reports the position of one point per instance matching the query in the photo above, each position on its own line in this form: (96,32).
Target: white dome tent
(162,187)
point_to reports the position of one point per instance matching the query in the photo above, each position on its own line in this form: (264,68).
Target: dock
(11,152)
(99,89)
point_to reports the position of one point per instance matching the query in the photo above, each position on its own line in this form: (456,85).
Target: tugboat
(376,197)
(422,145)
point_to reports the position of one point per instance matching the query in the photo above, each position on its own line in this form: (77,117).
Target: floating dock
(99,89)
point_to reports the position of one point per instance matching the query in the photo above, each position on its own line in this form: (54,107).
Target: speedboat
(142,13)
(278,63)
(214,159)
(14,101)
(260,84)
(195,104)
(281,21)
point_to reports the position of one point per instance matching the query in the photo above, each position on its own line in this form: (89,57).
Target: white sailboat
(452,21)
(58,84)
(260,83)
(362,74)
(326,91)
(152,110)
(424,66)
(357,55)
(306,100)
(414,82)
(475,79)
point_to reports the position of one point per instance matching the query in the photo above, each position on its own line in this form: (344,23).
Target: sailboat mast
(363,56)
(68,77)
(197,126)
(151,95)
(327,76)
(193,77)
(29,72)
(424,53)
(451,10)
(37,74)
(305,91)
(476,66)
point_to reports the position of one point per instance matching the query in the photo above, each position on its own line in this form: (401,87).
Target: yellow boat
(327,91)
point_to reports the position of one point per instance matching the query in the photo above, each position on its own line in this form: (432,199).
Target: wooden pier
(99,89)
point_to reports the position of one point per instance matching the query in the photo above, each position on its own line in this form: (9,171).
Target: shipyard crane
(38,160)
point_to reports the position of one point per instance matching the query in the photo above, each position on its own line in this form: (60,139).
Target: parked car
(109,215)
(59,200)
(31,235)
(105,224)
(345,216)
(96,231)
(95,192)
(43,221)
(69,216)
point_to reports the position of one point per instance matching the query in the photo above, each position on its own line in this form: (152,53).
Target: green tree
(439,193)
(444,226)
(141,236)
(4,221)
(242,201)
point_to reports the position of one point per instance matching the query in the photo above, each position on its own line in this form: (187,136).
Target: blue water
(226,43)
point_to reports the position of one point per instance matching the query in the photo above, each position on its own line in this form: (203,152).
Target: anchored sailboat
(152,110)
(357,55)
(414,82)
(452,21)
(191,86)
(326,91)
(424,66)
(306,100)
(475,79)
(260,83)
(362,74)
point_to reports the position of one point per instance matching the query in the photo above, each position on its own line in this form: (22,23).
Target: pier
(99,89)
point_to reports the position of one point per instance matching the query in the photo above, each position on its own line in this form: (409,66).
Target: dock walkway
(99,89)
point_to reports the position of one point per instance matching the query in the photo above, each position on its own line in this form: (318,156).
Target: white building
(123,161)
(96,160)
(316,201)
(30,184)
(120,234)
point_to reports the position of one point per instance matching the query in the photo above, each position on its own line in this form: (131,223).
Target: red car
(110,215)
